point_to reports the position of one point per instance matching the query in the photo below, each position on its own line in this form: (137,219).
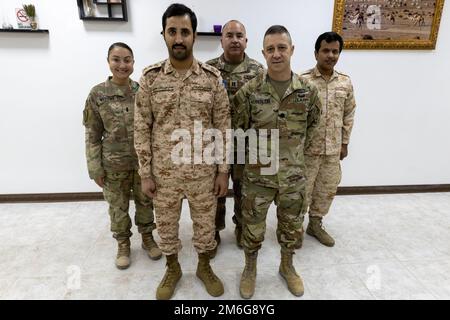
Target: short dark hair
(329,37)
(277,29)
(119,45)
(176,10)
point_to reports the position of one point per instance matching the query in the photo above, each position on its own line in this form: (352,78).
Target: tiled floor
(387,247)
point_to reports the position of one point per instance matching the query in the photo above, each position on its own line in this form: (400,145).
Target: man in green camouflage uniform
(277,99)
(112,161)
(175,96)
(330,144)
(236,69)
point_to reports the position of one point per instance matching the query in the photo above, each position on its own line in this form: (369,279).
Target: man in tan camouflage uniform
(236,69)
(173,95)
(276,99)
(330,144)
(111,158)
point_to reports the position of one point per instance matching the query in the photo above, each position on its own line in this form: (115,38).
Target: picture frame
(106,1)
(388,24)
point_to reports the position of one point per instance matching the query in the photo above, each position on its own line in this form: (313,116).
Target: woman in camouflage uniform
(112,162)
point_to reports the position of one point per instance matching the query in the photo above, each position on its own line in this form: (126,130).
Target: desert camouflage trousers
(291,207)
(117,192)
(323,175)
(202,204)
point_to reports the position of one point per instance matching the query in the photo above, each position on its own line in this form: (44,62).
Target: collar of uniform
(242,67)
(317,73)
(266,86)
(195,67)
(221,63)
(295,84)
(113,89)
(269,89)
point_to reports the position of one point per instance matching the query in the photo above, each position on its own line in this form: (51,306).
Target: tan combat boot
(212,283)
(123,253)
(169,282)
(316,230)
(238,234)
(248,278)
(287,271)
(149,245)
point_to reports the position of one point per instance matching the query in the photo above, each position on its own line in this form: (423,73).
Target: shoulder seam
(210,68)
(211,61)
(343,74)
(153,67)
(306,72)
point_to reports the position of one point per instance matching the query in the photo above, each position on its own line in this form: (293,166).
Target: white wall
(402,122)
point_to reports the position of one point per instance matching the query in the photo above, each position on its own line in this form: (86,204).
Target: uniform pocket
(200,96)
(164,103)
(118,106)
(340,96)
(163,97)
(296,120)
(200,104)
(337,108)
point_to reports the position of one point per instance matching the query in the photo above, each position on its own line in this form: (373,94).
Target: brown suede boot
(204,272)
(123,254)
(316,230)
(287,271)
(169,282)
(248,278)
(149,245)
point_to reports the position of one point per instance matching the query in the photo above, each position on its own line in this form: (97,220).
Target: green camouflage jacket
(108,119)
(257,106)
(235,77)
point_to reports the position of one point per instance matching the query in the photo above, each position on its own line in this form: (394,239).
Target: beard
(180,52)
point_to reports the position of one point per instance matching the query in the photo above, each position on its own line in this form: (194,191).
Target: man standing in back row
(330,143)
(236,69)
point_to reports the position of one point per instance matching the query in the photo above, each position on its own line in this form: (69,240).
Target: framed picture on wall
(388,24)
(107,1)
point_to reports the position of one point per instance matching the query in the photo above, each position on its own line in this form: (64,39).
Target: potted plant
(30,10)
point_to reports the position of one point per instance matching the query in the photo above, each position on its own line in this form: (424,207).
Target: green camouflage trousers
(291,208)
(117,192)
(323,174)
(236,177)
